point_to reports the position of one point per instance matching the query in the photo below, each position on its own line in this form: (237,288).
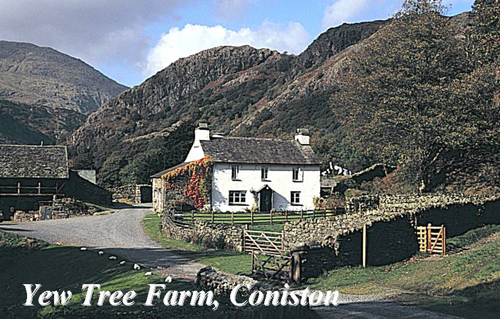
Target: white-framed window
(237,197)
(295,198)
(235,172)
(297,174)
(264,173)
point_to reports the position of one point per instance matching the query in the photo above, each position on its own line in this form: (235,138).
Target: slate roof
(160,174)
(258,151)
(33,161)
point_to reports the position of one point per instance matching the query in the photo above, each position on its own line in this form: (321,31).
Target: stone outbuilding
(30,174)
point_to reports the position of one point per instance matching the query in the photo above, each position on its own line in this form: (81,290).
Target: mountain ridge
(61,90)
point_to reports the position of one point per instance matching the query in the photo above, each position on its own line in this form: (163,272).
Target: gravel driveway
(121,233)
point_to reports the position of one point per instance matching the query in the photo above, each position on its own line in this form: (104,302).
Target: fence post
(243,240)
(251,217)
(301,214)
(444,240)
(232,218)
(314,214)
(19,188)
(282,240)
(364,246)
(192,216)
(271,216)
(429,239)
(39,188)
(286,215)
(212,216)
(253,263)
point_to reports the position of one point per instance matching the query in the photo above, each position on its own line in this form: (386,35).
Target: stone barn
(30,174)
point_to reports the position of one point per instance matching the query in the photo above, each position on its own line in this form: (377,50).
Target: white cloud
(98,31)
(341,11)
(191,39)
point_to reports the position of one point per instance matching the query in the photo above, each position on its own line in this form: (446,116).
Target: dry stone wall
(140,193)
(324,244)
(220,236)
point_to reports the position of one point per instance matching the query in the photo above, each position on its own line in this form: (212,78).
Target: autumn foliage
(191,180)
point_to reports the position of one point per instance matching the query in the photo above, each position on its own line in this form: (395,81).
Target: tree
(400,96)
(484,36)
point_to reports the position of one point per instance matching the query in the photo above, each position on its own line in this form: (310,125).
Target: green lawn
(226,261)
(464,283)
(27,261)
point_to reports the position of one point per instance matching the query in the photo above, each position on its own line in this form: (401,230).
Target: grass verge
(225,261)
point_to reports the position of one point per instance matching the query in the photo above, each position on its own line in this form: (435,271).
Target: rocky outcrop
(335,40)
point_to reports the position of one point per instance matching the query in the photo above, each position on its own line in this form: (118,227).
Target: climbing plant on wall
(192,181)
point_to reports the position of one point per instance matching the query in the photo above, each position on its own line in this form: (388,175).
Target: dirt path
(119,233)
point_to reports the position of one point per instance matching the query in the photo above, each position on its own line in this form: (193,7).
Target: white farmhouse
(258,173)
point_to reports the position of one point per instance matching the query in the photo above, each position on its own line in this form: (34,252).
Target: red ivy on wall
(193,180)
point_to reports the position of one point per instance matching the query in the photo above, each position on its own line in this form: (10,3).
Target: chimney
(201,133)
(302,136)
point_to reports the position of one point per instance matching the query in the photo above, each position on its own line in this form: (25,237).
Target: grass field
(226,261)
(464,283)
(27,261)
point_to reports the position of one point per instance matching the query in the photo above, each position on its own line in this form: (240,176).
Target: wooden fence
(19,190)
(254,218)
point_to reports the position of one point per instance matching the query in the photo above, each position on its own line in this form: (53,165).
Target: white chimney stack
(302,136)
(201,133)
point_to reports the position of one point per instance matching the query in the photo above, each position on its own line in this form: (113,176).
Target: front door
(266,195)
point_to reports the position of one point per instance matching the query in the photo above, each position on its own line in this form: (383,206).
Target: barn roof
(33,161)
(258,151)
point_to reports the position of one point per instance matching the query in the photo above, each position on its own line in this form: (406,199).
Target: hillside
(238,90)
(48,92)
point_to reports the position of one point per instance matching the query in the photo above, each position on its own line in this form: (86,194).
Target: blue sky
(129,40)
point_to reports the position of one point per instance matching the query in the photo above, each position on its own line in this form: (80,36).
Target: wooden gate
(432,239)
(271,266)
(268,254)
(264,243)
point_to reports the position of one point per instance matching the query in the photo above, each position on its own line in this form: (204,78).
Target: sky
(130,40)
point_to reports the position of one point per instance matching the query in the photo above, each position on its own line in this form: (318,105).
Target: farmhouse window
(264,173)
(297,174)
(237,197)
(235,172)
(295,198)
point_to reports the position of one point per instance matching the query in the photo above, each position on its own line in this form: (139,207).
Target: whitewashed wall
(279,179)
